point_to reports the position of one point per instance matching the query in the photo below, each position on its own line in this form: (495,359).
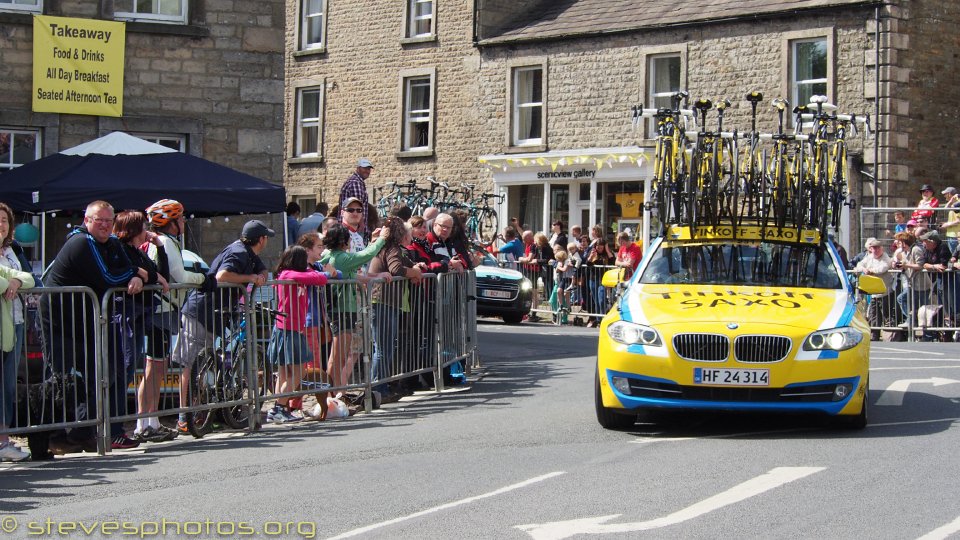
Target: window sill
(414,154)
(309,52)
(419,39)
(530,148)
(173,29)
(304,160)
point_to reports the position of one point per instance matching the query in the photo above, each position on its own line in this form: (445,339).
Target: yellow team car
(746,320)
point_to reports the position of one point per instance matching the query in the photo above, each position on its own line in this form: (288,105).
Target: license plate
(488,293)
(731,377)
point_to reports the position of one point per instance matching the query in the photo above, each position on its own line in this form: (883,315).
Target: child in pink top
(288,348)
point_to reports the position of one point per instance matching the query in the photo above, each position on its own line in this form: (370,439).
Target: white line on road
(942,532)
(933,421)
(447,506)
(597,525)
(912,368)
(911,351)
(894,393)
(902,359)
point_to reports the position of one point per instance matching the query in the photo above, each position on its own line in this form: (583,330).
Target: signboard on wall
(78,66)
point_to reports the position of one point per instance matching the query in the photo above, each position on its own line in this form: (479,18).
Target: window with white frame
(527,117)
(664,77)
(174,142)
(417,113)
(309,111)
(808,69)
(313,24)
(163,11)
(17,147)
(22,6)
(419,18)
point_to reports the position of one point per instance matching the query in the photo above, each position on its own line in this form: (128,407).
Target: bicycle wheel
(203,391)
(235,387)
(488,226)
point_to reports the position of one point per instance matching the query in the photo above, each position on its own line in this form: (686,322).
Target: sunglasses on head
(353,210)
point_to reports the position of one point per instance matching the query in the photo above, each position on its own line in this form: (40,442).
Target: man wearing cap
(558,237)
(356,187)
(203,314)
(926,204)
(877,263)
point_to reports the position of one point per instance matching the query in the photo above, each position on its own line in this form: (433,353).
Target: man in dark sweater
(92,258)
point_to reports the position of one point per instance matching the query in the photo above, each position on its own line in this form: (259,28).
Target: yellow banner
(78,66)
(746,232)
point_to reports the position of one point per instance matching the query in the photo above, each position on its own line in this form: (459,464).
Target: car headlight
(525,285)
(632,334)
(835,339)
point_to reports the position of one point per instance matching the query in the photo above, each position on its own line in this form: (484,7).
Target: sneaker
(154,435)
(170,434)
(182,427)
(9,452)
(280,415)
(122,442)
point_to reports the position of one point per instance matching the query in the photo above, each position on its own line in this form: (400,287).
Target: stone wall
(361,69)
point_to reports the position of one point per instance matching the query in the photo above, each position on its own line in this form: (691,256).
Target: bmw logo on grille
(733,326)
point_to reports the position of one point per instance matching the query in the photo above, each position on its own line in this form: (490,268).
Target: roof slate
(562,18)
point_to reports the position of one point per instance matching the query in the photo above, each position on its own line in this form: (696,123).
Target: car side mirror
(612,278)
(871,285)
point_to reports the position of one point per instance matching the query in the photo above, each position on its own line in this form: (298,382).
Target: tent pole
(43,241)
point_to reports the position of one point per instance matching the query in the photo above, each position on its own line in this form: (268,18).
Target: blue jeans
(918,298)
(8,377)
(385,322)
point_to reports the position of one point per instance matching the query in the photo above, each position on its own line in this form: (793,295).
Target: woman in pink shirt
(288,349)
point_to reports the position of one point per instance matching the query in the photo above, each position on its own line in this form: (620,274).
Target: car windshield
(486,259)
(742,263)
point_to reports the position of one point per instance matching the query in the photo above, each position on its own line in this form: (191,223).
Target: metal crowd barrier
(87,363)
(924,308)
(585,300)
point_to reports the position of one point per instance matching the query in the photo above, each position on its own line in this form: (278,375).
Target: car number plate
(731,377)
(495,294)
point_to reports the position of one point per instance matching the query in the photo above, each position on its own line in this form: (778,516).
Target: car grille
(702,347)
(511,287)
(761,348)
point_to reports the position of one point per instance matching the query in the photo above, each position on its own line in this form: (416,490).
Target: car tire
(513,318)
(857,421)
(610,418)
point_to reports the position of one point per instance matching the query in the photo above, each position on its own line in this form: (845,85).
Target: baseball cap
(926,187)
(912,223)
(872,242)
(364,162)
(254,229)
(349,200)
(931,235)
(949,191)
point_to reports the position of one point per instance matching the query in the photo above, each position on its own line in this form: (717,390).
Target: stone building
(532,98)
(200,76)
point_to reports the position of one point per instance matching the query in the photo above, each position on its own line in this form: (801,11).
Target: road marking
(913,368)
(911,351)
(902,359)
(501,491)
(597,525)
(942,532)
(934,421)
(894,393)
(648,440)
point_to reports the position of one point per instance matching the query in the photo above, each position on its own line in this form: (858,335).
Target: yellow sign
(746,232)
(78,66)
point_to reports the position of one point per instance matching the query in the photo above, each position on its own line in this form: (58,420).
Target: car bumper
(632,379)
